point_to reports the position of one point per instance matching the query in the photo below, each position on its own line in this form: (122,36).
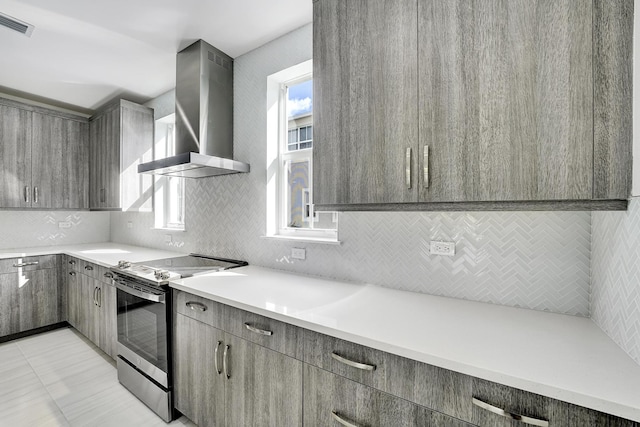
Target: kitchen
(576,263)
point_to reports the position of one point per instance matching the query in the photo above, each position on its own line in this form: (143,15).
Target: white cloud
(298,106)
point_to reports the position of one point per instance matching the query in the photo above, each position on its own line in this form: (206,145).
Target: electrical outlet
(167,238)
(298,253)
(442,248)
(64,224)
(129,224)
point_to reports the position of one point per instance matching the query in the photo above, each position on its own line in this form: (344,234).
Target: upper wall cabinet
(460,105)
(43,158)
(121,137)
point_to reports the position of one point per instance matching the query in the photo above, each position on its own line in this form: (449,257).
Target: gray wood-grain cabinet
(443,105)
(15,156)
(329,397)
(121,137)
(59,162)
(44,155)
(31,296)
(92,305)
(223,379)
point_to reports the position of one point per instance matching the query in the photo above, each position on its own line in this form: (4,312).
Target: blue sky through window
(300,99)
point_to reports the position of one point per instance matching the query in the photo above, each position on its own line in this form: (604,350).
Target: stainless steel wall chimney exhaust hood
(204,117)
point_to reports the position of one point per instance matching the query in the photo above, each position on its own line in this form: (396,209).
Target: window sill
(322,241)
(169,229)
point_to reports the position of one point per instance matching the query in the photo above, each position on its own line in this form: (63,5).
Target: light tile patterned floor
(59,378)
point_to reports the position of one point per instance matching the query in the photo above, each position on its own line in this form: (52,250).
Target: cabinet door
(137,147)
(88,316)
(9,304)
(328,396)
(39,298)
(74,293)
(365,60)
(15,157)
(264,388)
(104,160)
(108,329)
(198,388)
(29,300)
(506,99)
(59,162)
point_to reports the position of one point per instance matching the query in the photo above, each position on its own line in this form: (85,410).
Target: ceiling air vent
(16,25)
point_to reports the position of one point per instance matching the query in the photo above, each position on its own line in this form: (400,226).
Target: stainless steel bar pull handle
(99,297)
(95,296)
(510,415)
(363,366)
(225,361)
(425,166)
(258,331)
(102,195)
(196,306)
(25,264)
(343,421)
(407,168)
(27,194)
(35,194)
(215,356)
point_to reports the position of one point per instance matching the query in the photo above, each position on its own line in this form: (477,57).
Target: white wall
(533,260)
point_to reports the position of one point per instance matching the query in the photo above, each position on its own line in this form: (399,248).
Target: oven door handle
(140,294)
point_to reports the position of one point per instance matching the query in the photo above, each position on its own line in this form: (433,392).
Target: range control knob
(161,274)
(124,264)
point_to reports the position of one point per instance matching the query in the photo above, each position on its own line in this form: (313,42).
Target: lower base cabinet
(224,380)
(31,294)
(92,309)
(283,375)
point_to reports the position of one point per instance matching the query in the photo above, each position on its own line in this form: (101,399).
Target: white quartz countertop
(105,254)
(564,357)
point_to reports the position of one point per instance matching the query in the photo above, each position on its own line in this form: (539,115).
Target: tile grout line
(44,387)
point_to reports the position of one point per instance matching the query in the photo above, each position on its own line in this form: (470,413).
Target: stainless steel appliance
(144,323)
(204,116)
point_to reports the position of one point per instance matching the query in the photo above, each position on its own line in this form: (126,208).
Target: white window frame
(277,158)
(164,199)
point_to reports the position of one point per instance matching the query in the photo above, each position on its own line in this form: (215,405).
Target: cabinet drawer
(103,274)
(85,267)
(328,397)
(198,308)
(264,331)
(43,262)
(514,401)
(436,388)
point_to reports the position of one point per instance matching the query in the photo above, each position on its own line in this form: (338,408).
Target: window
(290,207)
(169,191)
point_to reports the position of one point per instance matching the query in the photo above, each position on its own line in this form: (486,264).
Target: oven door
(143,327)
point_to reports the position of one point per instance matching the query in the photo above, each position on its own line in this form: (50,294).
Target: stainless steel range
(144,323)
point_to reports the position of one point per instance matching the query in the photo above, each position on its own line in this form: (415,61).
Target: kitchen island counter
(563,357)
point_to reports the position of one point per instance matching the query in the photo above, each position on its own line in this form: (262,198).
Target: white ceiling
(84,53)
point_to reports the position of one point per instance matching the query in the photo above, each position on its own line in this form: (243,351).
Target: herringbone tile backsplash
(534,260)
(615,276)
(22,229)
